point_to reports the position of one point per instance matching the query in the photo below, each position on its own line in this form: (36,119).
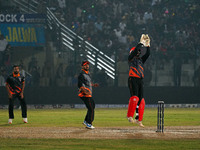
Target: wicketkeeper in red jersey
(135,80)
(15,84)
(85,93)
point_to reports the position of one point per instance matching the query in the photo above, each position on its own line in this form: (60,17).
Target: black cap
(85,62)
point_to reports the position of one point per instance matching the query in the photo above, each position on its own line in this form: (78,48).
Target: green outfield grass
(76,144)
(103,118)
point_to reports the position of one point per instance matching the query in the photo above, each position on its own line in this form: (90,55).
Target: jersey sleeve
(81,80)
(134,51)
(23,79)
(146,55)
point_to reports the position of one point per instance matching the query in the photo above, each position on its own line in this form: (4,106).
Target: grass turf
(143,144)
(103,117)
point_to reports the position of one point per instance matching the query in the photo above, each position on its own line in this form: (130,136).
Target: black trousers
(11,106)
(136,86)
(89,103)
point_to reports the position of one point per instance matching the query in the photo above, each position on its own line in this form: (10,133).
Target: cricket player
(15,84)
(135,80)
(85,93)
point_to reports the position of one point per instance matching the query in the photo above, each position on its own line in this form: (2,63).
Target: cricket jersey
(15,83)
(84,80)
(136,63)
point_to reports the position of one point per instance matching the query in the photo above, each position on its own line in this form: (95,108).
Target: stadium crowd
(114,26)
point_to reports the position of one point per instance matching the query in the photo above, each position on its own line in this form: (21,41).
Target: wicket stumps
(160,116)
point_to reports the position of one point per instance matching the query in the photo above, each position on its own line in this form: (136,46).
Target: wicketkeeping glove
(142,39)
(145,40)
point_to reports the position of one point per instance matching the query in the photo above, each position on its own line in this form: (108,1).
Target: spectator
(118,33)
(32,64)
(122,25)
(147,16)
(47,73)
(2,80)
(78,12)
(59,72)
(7,55)
(123,38)
(177,70)
(62,5)
(166,22)
(3,45)
(99,25)
(155,2)
(130,39)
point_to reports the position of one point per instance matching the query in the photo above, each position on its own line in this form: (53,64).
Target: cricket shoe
(130,119)
(25,120)
(9,121)
(89,126)
(139,123)
(84,123)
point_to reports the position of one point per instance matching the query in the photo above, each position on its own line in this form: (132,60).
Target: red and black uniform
(135,81)
(15,84)
(84,81)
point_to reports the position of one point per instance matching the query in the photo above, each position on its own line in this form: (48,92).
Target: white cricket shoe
(25,120)
(89,126)
(139,123)
(9,121)
(130,119)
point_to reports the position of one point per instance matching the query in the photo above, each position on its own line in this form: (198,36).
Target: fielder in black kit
(15,84)
(135,80)
(85,93)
